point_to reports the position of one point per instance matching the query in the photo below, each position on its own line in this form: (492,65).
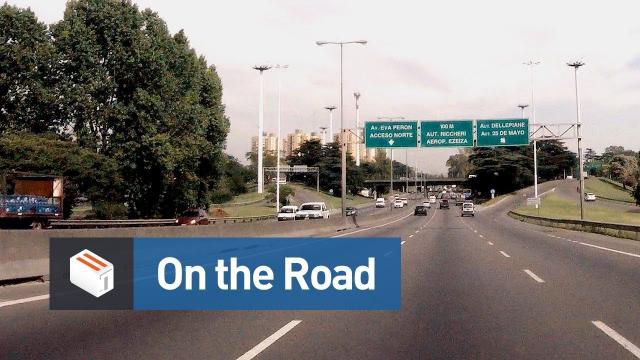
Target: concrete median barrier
(618,230)
(25,253)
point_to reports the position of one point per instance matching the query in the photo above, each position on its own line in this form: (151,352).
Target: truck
(30,200)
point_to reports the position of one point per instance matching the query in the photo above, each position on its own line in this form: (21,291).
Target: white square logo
(91,273)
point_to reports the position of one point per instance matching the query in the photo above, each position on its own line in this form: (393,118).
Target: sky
(425,60)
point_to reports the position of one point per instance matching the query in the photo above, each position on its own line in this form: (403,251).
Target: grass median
(556,207)
(606,190)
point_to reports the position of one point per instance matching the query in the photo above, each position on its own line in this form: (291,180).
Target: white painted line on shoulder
(402,243)
(24,300)
(372,227)
(533,276)
(612,250)
(504,254)
(490,243)
(618,338)
(270,340)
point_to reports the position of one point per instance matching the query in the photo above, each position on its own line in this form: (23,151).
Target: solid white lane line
(270,340)
(373,227)
(490,243)
(607,249)
(402,243)
(533,276)
(25,300)
(618,338)
(504,254)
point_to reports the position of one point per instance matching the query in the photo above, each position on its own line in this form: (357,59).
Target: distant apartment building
(293,141)
(270,143)
(366,155)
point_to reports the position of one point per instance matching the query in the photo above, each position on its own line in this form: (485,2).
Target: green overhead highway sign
(391,134)
(502,132)
(452,133)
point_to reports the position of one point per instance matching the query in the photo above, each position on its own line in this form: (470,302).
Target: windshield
(311,207)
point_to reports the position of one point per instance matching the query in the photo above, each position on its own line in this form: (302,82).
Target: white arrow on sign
(503,140)
(391,142)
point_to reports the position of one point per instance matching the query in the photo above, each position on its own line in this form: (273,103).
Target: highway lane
(39,332)
(461,298)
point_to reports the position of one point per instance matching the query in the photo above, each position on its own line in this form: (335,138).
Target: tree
(458,164)
(624,168)
(141,96)
(85,172)
(28,96)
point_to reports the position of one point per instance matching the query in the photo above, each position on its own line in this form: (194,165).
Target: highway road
(487,287)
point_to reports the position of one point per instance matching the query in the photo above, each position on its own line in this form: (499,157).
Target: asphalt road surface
(487,287)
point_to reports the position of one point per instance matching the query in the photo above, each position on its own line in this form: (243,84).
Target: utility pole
(391,118)
(576,65)
(357,96)
(261,69)
(280,68)
(532,64)
(323,131)
(330,108)
(343,140)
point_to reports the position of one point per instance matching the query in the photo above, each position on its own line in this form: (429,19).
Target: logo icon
(91,273)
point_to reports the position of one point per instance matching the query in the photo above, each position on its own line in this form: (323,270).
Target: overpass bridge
(402,182)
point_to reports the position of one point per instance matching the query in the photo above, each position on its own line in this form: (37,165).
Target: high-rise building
(293,141)
(270,143)
(366,155)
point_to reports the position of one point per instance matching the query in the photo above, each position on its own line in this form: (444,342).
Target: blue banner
(266,273)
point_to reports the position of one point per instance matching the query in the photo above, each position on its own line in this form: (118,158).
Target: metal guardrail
(225,220)
(612,229)
(65,224)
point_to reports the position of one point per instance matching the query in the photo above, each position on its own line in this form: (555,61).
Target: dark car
(351,211)
(420,210)
(194,217)
(444,204)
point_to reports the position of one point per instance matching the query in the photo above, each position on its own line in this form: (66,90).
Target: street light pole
(576,65)
(261,69)
(357,96)
(391,118)
(406,175)
(330,108)
(323,131)
(342,128)
(280,68)
(532,64)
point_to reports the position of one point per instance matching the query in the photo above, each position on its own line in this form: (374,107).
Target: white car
(432,199)
(398,204)
(380,203)
(426,204)
(312,210)
(405,201)
(287,213)
(467,209)
(589,197)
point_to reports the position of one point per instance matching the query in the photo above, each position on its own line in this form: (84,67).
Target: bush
(106,210)
(285,191)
